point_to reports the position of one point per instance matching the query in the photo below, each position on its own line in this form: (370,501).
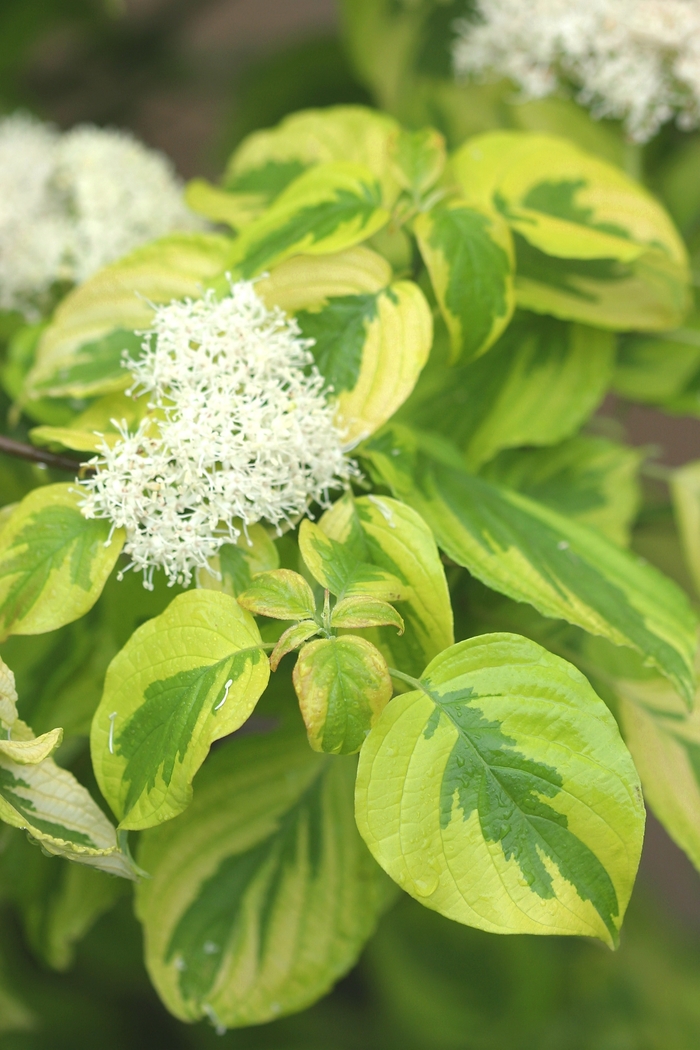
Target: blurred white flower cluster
(241,431)
(72,202)
(634,60)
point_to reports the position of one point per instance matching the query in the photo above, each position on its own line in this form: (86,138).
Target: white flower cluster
(70,203)
(241,431)
(633,60)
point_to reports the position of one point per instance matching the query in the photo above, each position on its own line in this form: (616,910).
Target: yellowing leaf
(292,638)
(363,611)
(337,567)
(53,561)
(500,794)
(342,685)
(233,568)
(183,680)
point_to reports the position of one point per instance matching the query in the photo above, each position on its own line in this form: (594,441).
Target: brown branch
(40,455)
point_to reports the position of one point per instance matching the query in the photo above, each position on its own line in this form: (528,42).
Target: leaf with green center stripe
(363,611)
(255,910)
(531,553)
(327,209)
(48,802)
(338,568)
(592,244)
(53,561)
(496,402)
(267,161)
(469,255)
(501,794)
(282,594)
(183,680)
(587,478)
(342,685)
(371,336)
(80,353)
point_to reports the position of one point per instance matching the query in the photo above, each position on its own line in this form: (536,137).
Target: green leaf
(372,337)
(531,553)
(342,685)
(363,611)
(587,478)
(419,159)
(685,493)
(267,161)
(183,680)
(391,536)
(665,743)
(327,209)
(655,369)
(233,568)
(292,638)
(469,255)
(8,696)
(255,909)
(53,561)
(82,896)
(592,244)
(339,568)
(282,594)
(81,351)
(496,402)
(501,795)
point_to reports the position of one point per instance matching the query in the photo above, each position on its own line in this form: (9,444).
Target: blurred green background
(193,77)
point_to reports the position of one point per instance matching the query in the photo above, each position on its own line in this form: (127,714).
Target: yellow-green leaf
(342,685)
(267,161)
(53,561)
(183,680)
(292,638)
(282,594)
(371,337)
(391,536)
(95,425)
(685,491)
(500,794)
(328,208)
(419,159)
(363,611)
(81,351)
(531,553)
(339,567)
(234,209)
(587,478)
(469,254)
(263,894)
(30,751)
(592,245)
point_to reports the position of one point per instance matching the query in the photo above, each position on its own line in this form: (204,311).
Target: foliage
(487,678)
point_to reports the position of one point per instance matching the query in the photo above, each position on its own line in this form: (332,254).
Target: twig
(42,456)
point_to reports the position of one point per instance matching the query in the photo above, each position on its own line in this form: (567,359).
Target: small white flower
(633,60)
(70,203)
(241,432)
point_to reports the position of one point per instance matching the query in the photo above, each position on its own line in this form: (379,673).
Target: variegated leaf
(500,794)
(391,536)
(255,909)
(469,254)
(531,553)
(53,561)
(184,679)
